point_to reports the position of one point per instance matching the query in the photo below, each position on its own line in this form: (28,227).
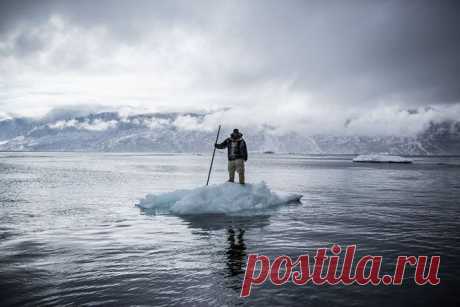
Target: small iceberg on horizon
(225,198)
(380,158)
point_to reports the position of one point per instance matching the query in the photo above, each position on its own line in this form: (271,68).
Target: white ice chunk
(379,158)
(225,198)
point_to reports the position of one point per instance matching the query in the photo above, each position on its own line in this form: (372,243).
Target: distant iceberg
(379,158)
(225,198)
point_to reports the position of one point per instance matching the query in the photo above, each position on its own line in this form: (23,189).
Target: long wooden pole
(213,153)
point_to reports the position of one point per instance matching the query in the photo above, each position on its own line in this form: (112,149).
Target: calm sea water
(71,235)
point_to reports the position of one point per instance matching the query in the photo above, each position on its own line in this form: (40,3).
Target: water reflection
(236,251)
(236,246)
(215,222)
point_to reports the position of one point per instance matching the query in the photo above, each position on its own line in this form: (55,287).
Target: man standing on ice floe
(237,154)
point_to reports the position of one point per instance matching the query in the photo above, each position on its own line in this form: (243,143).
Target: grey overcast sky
(359,67)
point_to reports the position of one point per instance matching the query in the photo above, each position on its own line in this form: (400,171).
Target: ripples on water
(70,233)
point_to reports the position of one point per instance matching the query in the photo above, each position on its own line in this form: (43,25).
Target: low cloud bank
(379,121)
(94,125)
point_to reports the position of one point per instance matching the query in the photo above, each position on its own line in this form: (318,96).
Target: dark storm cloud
(124,18)
(349,54)
(359,50)
(362,50)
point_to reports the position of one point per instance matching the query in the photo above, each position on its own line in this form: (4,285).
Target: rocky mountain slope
(165,132)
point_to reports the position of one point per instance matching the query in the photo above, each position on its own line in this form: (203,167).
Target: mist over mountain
(181,132)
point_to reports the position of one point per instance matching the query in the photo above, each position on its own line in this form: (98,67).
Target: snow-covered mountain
(181,132)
